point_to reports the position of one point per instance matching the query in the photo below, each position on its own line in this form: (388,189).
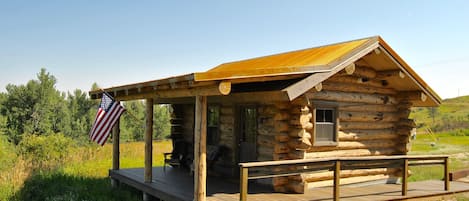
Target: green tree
(82,112)
(35,108)
(161,121)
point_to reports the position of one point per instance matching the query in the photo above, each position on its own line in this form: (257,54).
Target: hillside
(452,115)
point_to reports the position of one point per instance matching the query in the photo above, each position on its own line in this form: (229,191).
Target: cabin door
(247,133)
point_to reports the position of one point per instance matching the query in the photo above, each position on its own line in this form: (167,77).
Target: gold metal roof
(301,61)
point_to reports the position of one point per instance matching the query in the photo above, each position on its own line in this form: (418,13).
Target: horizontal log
(282,137)
(281,116)
(390,74)
(300,133)
(296,154)
(347,153)
(358,80)
(300,101)
(361,71)
(361,135)
(406,122)
(279,157)
(356,88)
(413,96)
(280,189)
(350,69)
(226,119)
(268,141)
(296,187)
(282,105)
(353,97)
(371,117)
(281,126)
(279,181)
(264,157)
(226,110)
(299,143)
(266,151)
(299,110)
(368,107)
(350,125)
(322,176)
(281,148)
(268,110)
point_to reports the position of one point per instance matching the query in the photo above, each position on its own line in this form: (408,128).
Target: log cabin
(349,99)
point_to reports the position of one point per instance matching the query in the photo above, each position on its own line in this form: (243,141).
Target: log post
(337,180)
(115,151)
(446,172)
(148,140)
(200,149)
(243,184)
(405,167)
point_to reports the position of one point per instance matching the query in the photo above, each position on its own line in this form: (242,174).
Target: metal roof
(301,61)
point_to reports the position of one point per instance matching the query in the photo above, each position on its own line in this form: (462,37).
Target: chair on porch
(179,157)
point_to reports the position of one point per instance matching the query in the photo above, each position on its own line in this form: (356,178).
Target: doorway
(247,133)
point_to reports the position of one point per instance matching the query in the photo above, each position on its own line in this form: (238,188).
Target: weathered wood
(296,187)
(281,126)
(322,176)
(353,97)
(280,181)
(281,148)
(357,88)
(300,133)
(243,184)
(115,146)
(318,87)
(367,107)
(148,139)
(413,96)
(390,74)
(370,117)
(281,116)
(360,135)
(268,141)
(337,176)
(279,157)
(224,87)
(300,143)
(404,176)
(200,148)
(365,125)
(282,137)
(350,69)
(346,153)
(361,71)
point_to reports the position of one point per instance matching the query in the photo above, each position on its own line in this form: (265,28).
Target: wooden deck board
(176,184)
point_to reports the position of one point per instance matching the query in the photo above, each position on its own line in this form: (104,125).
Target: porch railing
(271,169)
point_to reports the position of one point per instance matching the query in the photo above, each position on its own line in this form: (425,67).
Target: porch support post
(200,149)
(405,169)
(115,151)
(148,140)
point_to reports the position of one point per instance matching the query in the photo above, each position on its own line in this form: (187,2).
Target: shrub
(46,151)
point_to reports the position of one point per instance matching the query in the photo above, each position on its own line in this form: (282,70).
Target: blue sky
(121,42)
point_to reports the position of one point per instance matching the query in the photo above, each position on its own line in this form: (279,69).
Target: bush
(7,153)
(46,151)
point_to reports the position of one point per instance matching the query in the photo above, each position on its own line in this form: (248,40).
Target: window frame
(335,135)
(216,127)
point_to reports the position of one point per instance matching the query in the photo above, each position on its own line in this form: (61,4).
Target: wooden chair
(179,156)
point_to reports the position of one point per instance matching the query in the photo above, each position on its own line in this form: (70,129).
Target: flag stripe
(104,130)
(108,114)
(107,132)
(103,122)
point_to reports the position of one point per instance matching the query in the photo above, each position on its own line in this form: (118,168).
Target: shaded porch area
(175,184)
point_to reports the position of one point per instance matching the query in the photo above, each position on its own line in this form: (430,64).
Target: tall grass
(79,175)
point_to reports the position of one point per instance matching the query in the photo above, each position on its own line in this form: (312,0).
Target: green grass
(449,143)
(83,175)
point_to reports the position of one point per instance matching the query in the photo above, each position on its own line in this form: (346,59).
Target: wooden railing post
(115,151)
(446,171)
(405,167)
(148,140)
(337,180)
(243,184)
(200,149)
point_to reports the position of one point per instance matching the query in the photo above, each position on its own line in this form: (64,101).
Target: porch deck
(176,184)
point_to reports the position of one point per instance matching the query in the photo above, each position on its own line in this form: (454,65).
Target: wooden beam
(413,96)
(337,181)
(350,69)
(148,140)
(200,149)
(405,168)
(224,87)
(390,74)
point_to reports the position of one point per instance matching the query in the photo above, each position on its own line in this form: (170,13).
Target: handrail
(336,164)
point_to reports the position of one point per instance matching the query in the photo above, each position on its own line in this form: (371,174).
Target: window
(213,124)
(325,126)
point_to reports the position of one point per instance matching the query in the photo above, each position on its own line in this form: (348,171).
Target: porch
(175,184)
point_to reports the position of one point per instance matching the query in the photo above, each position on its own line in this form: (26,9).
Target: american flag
(109,112)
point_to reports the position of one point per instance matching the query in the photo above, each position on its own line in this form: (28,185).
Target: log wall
(372,120)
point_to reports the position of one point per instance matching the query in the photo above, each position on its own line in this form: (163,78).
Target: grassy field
(84,175)
(450,143)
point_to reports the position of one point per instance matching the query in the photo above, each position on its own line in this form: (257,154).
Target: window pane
(328,116)
(319,115)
